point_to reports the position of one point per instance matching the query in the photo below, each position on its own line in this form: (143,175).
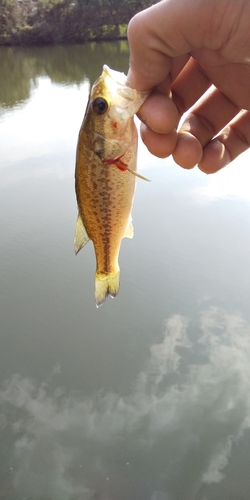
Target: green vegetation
(28,22)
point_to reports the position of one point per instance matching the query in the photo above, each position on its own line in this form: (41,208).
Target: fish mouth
(116,76)
(124,97)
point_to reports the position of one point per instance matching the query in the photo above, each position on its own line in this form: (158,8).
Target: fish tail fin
(106,284)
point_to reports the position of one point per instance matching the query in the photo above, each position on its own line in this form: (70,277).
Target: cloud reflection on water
(170,438)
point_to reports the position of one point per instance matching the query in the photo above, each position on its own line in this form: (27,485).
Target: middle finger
(206,120)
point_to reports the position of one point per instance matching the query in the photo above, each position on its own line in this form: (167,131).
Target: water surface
(148,397)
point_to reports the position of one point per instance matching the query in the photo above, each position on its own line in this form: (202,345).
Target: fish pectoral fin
(81,235)
(106,284)
(129,233)
(138,175)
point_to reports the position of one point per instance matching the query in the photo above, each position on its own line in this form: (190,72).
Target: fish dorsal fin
(81,235)
(129,233)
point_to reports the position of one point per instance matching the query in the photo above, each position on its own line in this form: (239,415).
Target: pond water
(148,397)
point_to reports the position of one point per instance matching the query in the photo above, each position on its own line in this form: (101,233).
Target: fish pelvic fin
(81,235)
(105,285)
(129,233)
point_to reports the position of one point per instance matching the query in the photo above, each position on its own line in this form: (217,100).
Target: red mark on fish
(118,163)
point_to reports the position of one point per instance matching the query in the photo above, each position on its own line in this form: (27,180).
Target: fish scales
(105,162)
(105,205)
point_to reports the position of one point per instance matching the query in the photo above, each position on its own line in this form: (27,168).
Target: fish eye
(100,105)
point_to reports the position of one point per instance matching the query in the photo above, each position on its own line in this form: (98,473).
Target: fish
(105,175)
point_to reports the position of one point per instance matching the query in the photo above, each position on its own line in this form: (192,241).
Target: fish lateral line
(121,165)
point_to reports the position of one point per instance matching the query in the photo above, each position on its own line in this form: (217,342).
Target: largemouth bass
(105,175)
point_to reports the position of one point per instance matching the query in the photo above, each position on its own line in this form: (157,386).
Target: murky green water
(148,397)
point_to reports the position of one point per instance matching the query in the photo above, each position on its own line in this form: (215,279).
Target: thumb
(154,38)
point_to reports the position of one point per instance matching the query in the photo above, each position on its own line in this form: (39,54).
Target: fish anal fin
(105,285)
(129,233)
(81,235)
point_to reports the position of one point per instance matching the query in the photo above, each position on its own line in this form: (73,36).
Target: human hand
(179,48)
